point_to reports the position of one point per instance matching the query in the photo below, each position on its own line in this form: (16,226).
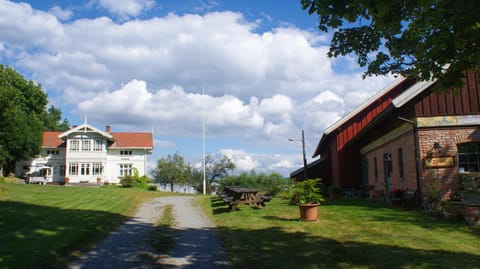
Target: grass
(350,233)
(163,238)
(47,226)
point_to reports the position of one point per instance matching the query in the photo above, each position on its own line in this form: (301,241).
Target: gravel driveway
(196,246)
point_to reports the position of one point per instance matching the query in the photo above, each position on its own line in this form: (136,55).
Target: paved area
(197,244)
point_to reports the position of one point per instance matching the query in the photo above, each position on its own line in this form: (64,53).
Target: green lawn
(46,226)
(350,233)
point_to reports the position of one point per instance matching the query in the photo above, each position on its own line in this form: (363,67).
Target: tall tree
(23,117)
(417,39)
(53,120)
(171,170)
(218,168)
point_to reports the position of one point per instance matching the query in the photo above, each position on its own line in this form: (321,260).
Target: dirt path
(197,244)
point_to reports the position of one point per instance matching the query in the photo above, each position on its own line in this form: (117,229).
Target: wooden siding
(465,101)
(351,128)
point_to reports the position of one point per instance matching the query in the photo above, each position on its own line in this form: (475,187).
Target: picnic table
(235,195)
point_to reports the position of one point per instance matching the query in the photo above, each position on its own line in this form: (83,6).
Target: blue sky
(139,65)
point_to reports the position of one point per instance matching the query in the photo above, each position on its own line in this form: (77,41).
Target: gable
(84,128)
(354,122)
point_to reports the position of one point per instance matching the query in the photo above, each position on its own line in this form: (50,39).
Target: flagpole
(203,141)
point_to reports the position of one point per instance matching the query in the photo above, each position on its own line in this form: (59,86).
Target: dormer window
(52,152)
(125,152)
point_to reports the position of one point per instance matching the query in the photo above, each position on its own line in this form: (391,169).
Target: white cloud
(175,110)
(281,164)
(242,160)
(264,86)
(126,8)
(61,14)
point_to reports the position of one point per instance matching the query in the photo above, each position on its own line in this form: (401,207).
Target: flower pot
(67,180)
(308,212)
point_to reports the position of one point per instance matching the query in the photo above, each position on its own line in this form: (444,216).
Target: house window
(73,169)
(86,145)
(375,167)
(61,172)
(126,170)
(74,145)
(52,152)
(97,145)
(400,162)
(84,169)
(97,169)
(469,157)
(125,152)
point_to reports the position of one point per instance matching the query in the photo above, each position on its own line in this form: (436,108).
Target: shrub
(152,188)
(308,191)
(141,182)
(127,181)
(270,184)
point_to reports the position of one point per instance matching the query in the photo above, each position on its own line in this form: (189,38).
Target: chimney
(74,126)
(107,128)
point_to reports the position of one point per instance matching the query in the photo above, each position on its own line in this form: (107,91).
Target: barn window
(468,157)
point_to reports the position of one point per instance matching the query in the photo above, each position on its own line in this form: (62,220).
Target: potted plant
(307,195)
(334,192)
(67,180)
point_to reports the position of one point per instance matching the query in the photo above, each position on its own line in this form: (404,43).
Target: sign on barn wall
(439,162)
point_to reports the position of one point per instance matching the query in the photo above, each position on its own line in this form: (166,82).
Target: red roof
(121,140)
(51,140)
(132,140)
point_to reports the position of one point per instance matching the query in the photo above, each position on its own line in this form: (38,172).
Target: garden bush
(127,182)
(271,184)
(152,188)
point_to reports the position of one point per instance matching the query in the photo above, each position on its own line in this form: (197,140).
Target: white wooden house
(85,154)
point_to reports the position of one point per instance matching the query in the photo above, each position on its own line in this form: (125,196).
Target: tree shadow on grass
(382,212)
(34,236)
(276,248)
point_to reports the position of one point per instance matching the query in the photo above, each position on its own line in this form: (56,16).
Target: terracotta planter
(99,180)
(308,212)
(67,180)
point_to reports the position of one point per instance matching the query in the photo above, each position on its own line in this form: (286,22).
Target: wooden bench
(266,198)
(236,195)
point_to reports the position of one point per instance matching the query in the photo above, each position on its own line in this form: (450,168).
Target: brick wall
(446,137)
(408,180)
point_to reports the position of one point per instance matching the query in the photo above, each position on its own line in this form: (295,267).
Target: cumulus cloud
(262,85)
(126,8)
(175,110)
(61,14)
(242,160)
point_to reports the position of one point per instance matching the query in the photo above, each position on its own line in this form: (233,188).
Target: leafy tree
(218,168)
(20,125)
(417,39)
(23,117)
(271,184)
(53,120)
(171,170)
